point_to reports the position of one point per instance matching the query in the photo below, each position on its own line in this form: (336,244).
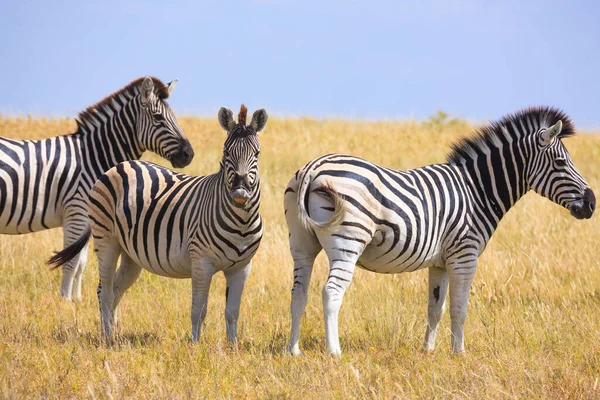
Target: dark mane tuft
(242,115)
(132,89)
(526,122)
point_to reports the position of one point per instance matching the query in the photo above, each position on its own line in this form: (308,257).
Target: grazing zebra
(438,217)
(179,226)
(46,183)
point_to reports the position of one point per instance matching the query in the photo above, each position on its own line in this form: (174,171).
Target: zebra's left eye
(560,162)
(159,117)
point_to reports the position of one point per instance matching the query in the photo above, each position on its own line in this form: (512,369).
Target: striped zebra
(46,183)
(438,217)
(179,226)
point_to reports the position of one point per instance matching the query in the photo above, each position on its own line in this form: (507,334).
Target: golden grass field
(532,331)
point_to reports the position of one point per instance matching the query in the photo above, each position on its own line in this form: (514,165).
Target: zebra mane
(527,122)
(132,89)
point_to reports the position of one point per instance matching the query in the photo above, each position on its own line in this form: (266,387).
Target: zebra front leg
(341,271)
(303,267)
(202,272)
(461,276)
(438,288)
(233,295)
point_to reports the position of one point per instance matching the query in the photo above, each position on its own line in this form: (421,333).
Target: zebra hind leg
(343,255)
(74,224)
(68,275)
(438,288)
(303,267)
(108,254)
(127,274)
(80,267)
(304,248)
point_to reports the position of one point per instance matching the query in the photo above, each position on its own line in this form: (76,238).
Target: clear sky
(372,59)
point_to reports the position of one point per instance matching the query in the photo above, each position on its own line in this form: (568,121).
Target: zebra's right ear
(226,119)
(146,89)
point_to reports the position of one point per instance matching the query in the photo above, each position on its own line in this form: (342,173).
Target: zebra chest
(230,250)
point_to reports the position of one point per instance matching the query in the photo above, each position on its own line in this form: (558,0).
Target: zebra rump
(326,191)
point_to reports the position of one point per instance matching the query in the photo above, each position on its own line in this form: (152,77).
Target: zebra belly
(17,218)
(388,253)
(374,263)
(175,266)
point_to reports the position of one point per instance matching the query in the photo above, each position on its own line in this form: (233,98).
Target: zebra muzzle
(240,196)
(584,208)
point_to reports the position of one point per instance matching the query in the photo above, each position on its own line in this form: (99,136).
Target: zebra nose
(589,199)
(240,180)
(184,154)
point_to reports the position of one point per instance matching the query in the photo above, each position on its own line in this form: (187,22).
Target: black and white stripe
(179,226)
(46,183)
(438,217)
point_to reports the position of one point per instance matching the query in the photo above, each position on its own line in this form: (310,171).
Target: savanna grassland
(532,331)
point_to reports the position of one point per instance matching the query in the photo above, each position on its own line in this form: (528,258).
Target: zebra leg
(79,272)
(233,294)
(73,226)
(438,288)
(202,272)
(127,274)
(108,252)
(342,261)
(303,267)
(304,247)
(461,277)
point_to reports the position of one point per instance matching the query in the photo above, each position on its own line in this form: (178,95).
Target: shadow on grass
(95,339)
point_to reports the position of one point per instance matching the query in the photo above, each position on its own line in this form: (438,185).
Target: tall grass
(533,325)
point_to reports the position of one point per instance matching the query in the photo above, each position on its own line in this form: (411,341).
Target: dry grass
(533,327)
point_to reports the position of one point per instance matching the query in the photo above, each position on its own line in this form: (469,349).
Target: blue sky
(372,59)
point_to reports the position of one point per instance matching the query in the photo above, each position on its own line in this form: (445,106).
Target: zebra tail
(67,254)
(326,191)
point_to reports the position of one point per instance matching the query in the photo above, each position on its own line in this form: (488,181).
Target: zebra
(46,183)
(179,226)
(438,217)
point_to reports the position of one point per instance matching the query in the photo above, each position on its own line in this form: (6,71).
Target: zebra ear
(226,119)
(171,85)
(259,120)
(550,133)
(147,89)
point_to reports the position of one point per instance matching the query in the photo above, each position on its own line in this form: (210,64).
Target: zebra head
(157,127)
(553,174)
(240,153)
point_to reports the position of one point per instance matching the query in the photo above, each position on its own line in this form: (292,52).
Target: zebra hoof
(293,350)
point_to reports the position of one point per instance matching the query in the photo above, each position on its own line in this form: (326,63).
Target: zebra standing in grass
(46,183)
(438,217)
(179,226)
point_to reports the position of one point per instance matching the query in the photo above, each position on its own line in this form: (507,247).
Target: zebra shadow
(96,339)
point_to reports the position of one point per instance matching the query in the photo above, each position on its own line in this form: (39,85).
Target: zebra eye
(159,117)
(560,162)
(257,153)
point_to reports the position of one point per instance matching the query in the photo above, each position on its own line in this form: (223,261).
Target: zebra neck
(108,139)
(243,218)
(496,182)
